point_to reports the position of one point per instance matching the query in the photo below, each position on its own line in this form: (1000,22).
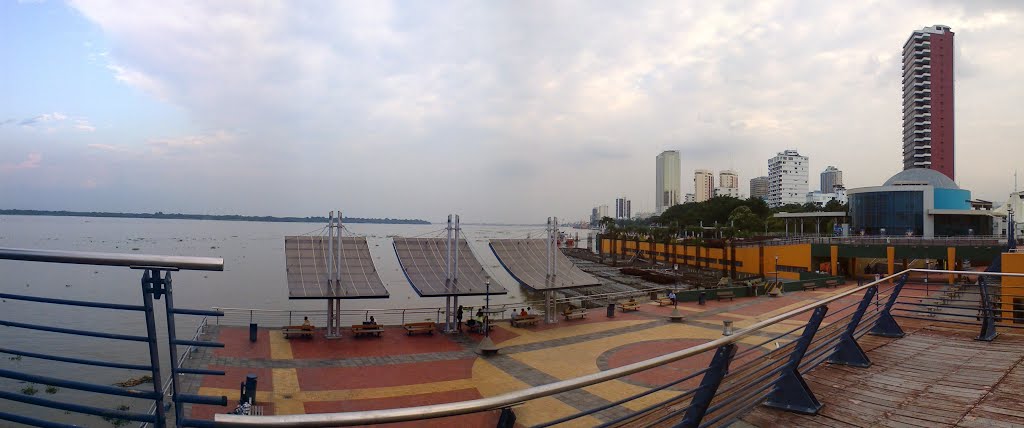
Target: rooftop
(921,176)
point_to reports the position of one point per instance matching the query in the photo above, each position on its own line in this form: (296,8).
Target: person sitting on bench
(371,321)
(523,313)
(306,324)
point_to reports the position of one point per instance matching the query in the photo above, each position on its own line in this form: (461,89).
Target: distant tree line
(230,217)
(720,217)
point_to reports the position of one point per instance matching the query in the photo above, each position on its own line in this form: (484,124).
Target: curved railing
(724,391)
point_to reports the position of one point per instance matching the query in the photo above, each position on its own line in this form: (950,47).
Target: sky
(502,111)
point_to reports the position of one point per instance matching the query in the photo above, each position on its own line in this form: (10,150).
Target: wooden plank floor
(934,376)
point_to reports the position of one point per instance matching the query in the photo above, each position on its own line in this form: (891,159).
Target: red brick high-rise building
(928,100)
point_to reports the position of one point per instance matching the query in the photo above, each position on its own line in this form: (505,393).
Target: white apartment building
(728,184)
(787,179)
(688,198)
(703,185)
(667,187)
(822,198)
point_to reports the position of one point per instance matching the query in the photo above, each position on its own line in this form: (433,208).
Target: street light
(487,309)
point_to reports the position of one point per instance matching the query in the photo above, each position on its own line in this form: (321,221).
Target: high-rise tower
(667,180)
(928,100)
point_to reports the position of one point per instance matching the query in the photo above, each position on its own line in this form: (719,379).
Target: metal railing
(715,395)
(156,284)
(879,240)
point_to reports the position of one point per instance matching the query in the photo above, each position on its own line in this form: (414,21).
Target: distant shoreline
(177,216)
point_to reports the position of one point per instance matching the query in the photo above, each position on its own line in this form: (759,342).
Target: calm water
(253,277)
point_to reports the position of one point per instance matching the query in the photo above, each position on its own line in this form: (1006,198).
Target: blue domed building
(916,202)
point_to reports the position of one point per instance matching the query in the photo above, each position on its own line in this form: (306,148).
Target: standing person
(672,297)
(458,318)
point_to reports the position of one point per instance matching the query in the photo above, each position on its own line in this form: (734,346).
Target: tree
(834,205)
(745,222)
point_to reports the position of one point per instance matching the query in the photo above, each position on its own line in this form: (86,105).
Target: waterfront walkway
(318,375)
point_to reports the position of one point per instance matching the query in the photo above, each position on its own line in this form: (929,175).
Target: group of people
(478,320)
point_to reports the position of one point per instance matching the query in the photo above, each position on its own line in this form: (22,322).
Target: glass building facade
(898,213)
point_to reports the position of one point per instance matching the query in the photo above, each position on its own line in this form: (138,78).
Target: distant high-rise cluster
(703,185)
(597,213)
(623,211)
(667,185)
(759,187)
(928,100)
(787,179)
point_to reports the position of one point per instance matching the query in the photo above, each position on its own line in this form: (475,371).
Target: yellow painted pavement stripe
(280,348)
(286,392)
(532,336)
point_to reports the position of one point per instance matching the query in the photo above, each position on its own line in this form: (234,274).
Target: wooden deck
(935,376)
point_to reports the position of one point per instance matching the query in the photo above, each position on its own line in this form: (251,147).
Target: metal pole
(448,276)
(172,348)
(154,350)
(487,311)
(330,248)
(554,246)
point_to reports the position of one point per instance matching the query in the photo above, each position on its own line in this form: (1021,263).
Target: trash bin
(702,298)
(252,332)
(611,310)
(249,392)
(654,295)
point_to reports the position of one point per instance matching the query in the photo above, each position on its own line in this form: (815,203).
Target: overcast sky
(498,111)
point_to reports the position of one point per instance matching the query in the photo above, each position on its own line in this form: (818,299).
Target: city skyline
(382,109)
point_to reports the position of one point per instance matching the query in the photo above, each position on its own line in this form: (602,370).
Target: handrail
(516,397)
(113,259)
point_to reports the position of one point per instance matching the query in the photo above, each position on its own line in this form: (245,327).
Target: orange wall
(1013,287)
(789,255)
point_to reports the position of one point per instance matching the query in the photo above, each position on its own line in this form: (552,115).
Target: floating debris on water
(135,381)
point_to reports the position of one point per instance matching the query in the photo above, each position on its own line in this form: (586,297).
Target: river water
(253,277)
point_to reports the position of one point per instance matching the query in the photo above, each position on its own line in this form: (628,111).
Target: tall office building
(728,184)
(689,198)
(759,187)
(623,211)
(928,100)
(596,214)
(830,178)
(787,179)
(667,180)
(703,185)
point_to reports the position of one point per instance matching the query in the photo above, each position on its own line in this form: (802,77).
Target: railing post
(791,392)
(848,351)
(709,386)
(886,325)
(988,321)
(171,339)
(149,291)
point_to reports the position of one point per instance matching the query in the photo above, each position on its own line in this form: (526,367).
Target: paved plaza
(317,375)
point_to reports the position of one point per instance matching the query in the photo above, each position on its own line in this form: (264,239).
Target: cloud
(106,147)
(215,138)
(32,161)
(380,92)
(52,122)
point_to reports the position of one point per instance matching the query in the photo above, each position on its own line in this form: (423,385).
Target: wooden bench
(574,314)
(832,283)
(519,321)
(664,301)
(300,330)
(367,329)
(419,327)
(725,295)
(629,306)
(810,287)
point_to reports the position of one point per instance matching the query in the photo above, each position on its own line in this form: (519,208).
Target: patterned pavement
(395,370)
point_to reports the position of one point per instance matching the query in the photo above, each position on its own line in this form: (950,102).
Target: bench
(574,314)
(419,327)
(725,295)
(810,287)
(518,321)
(664,301)
(832,283)
(367,329)
(301,330)
(629,306)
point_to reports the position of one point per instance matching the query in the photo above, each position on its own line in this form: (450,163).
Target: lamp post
(487,309)
(777,275)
